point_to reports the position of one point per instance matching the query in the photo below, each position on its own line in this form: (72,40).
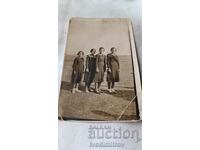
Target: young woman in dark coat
(113,69)
(78,70)
(90,69)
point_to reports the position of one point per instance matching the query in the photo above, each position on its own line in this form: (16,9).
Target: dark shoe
(97,92)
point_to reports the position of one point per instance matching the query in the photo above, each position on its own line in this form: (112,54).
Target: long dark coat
(91,66)
(113,66)
(78,70)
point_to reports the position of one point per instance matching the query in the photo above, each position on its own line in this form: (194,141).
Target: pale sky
(93,33)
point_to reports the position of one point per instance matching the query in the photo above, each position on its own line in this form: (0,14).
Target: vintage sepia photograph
(100,79)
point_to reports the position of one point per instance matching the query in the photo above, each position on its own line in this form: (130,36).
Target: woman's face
(113,50)
(81,54)
(101,51)
(93,52)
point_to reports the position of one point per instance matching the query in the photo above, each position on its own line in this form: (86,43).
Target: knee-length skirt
(76,77)
(113,75)
(89,76)
(99,76)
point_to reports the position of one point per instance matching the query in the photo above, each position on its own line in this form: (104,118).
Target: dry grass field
(104,106)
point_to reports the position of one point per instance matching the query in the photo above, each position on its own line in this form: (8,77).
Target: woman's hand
(87,70)
(97,69)
(109,70)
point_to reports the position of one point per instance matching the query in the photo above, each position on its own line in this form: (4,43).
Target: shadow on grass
(68,86)
(125,94)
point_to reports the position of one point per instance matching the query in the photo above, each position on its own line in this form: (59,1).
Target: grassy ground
(104,106)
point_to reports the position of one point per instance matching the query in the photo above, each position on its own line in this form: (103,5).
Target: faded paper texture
(85,34)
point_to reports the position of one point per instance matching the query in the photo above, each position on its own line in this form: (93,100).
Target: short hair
(113,48)
(93,50)
(80,52)
(101,48)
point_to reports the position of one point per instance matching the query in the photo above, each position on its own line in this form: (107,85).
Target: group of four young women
(94,69)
